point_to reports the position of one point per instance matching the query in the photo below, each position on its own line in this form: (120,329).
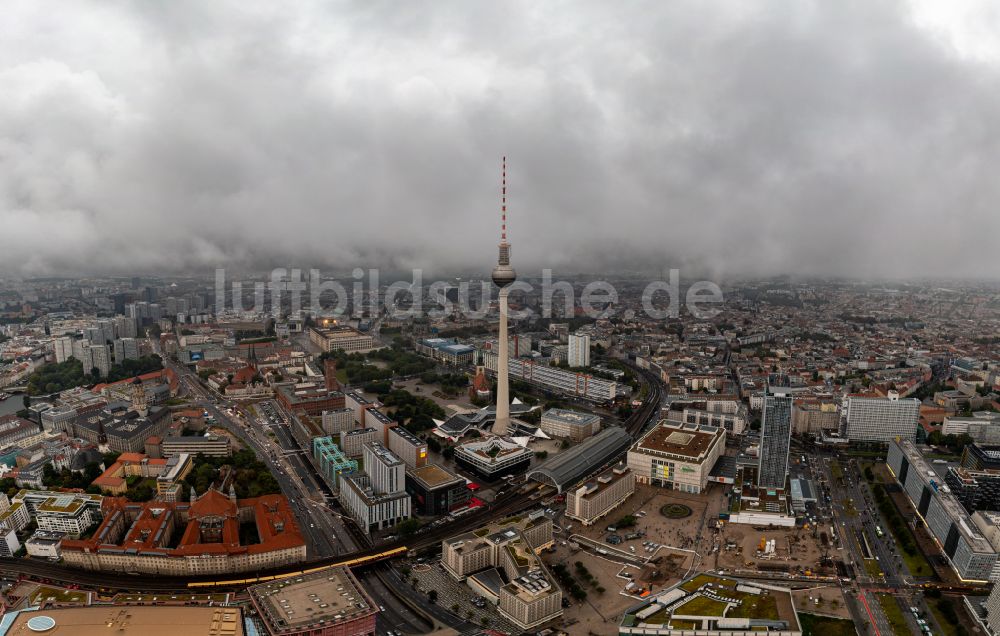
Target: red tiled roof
(275,522)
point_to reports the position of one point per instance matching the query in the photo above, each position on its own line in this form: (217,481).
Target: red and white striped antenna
(503,202)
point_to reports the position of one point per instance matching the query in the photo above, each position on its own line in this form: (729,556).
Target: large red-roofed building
(200,537)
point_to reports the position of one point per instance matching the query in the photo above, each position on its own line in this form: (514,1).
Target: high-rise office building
(503,276)
(125,327)
(876,419)
(97,357)
(377,497)
(775,436)
(63,348)
(579,351)
(126,349)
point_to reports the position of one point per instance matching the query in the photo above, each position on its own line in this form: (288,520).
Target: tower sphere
(503,275)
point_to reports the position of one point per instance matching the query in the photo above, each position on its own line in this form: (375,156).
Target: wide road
(320,526)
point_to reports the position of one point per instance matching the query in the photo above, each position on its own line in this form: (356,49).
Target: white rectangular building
(9,545)
(377,498)
(408,447)
(579,350)
(337,421)
(875,419)
(571,425)
(968,549)
(590,500)
(582,385)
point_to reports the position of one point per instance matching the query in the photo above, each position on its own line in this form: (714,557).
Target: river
(13,404)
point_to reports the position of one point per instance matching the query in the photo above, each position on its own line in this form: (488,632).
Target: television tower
(503,276)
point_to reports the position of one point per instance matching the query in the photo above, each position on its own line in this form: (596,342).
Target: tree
(26,401)
(432,596)
(409,527)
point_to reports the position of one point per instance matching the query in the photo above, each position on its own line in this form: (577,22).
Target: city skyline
(761,141)
(260,374)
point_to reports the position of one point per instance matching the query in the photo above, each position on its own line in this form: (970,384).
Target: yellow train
(371,558)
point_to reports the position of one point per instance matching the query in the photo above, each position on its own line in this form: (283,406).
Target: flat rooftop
(433,476)
(124,620)
(683,440)
(726,605)
(326,598)
(494,534)
(956,512)
(592,487)
(572,418)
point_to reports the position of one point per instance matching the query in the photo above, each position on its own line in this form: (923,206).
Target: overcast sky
(841,137)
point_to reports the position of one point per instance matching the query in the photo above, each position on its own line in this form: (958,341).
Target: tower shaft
(502,424)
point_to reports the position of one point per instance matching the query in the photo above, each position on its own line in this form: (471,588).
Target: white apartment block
(96,357)
(126,349)
(983,427)
(582,385)
(408,447)
(337,421)
(380,422)
(578,350)
(9,545)
(68,513)
(377,498)
(964,540)
(388,472)
(352,442)
(15,517)
(590,500)
(874,419)
(371,510)
(358,403)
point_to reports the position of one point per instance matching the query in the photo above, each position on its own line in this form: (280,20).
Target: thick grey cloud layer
(848,138)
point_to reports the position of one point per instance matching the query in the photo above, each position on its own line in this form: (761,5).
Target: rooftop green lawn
(57,595)
(756,606)
(695,584)
(658,618)
(702,606)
